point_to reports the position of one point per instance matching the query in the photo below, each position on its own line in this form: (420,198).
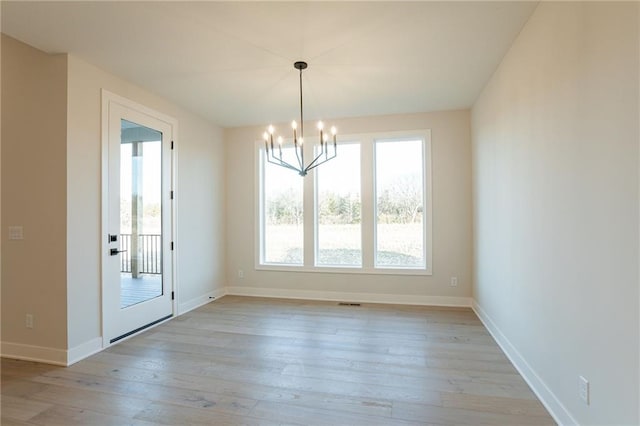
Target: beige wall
(34,114)
(199,194)
(452,245)
(51,185)
(1,239)
(555,169)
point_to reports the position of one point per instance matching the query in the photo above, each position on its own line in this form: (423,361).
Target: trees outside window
(338,206)
(399,204)
(281,215)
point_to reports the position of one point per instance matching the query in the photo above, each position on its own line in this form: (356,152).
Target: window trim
(368,209)
(425,182)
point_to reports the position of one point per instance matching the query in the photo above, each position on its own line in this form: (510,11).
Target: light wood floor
(243,360)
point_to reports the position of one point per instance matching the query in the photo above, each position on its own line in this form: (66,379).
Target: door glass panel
(140,213)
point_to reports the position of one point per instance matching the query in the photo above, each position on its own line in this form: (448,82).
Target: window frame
(368,200)
(424,200)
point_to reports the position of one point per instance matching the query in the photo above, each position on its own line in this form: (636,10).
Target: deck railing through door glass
(150,247)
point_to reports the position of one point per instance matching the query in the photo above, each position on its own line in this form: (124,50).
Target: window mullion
(368,202)
(259,239)
(428,204)
(308,192)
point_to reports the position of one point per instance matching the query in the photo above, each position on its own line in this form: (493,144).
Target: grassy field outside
(398,244)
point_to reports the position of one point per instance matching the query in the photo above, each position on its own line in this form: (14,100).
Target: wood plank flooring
(246,361)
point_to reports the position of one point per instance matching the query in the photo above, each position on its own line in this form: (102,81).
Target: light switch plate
(16,233)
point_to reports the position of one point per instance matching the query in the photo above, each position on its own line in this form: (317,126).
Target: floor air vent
(348,304)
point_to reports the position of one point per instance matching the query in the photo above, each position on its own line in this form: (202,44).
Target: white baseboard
(192,304)
(33,353)
(397,299)
(557,410)
(84,350)
(51,355)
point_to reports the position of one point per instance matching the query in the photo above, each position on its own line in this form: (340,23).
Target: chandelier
(321,157)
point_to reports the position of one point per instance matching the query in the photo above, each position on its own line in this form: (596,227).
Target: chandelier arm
(279,162)
(314,160)
(313,166)
(300,161)
(325,151)
(283,164)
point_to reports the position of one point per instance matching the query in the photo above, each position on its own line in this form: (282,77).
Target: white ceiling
(232,62)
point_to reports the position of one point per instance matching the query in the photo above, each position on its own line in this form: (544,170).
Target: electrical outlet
(583,389)
(454,281)
(28,321)
(240,273)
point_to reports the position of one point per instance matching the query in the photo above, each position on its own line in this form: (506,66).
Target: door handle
(115,251)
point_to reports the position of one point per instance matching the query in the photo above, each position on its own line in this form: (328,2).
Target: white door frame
(109,98)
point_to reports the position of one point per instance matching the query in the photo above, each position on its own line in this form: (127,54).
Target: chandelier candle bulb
(269,136)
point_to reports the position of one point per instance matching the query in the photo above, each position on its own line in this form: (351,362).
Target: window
(281,215)
(338,220)
(368,210)
(399,204)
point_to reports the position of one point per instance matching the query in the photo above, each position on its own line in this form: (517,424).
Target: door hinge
(171,245)
(171,144)
(173,295)
(172,195)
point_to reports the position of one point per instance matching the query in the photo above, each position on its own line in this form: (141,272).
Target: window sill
(344,270)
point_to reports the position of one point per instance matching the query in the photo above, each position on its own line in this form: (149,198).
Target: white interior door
(137,259)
